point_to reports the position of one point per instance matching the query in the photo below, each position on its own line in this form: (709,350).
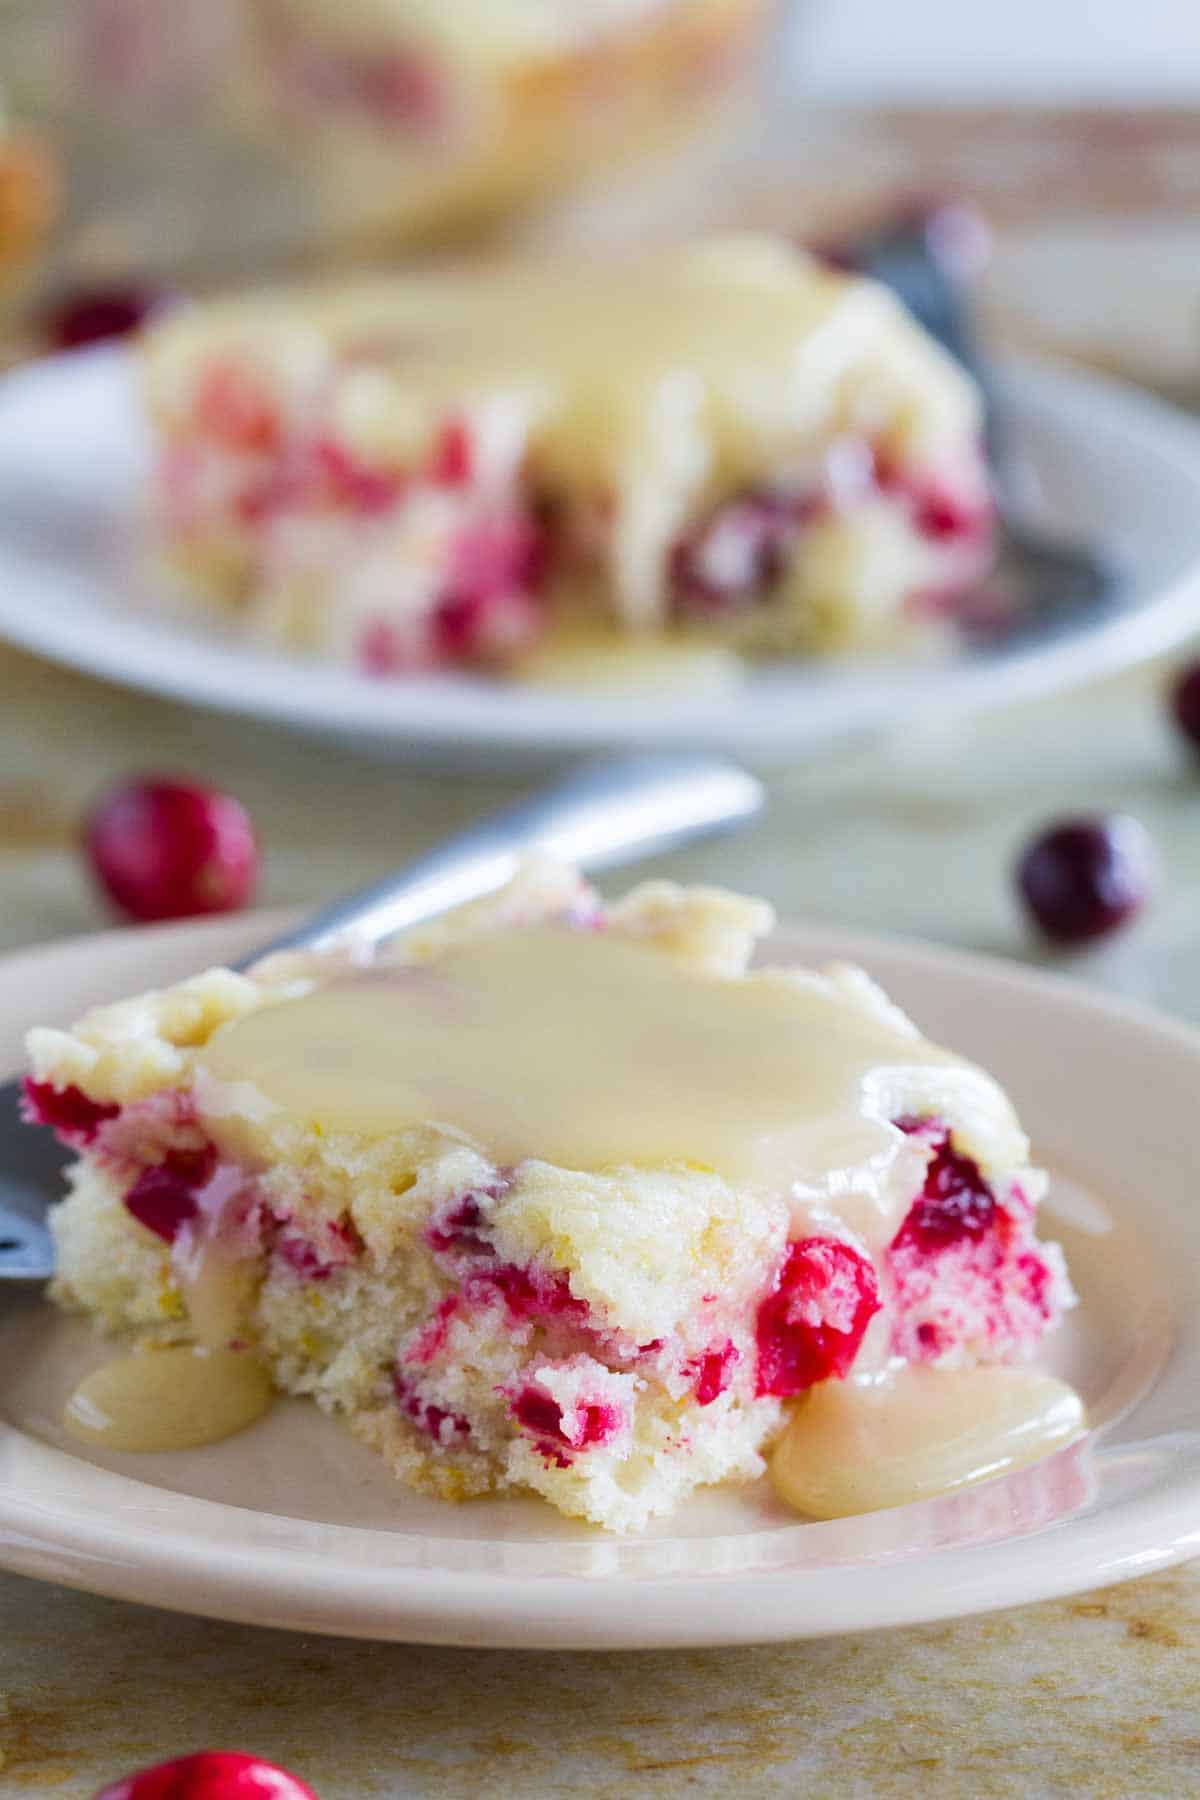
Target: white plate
(293,1524)
(1113,464)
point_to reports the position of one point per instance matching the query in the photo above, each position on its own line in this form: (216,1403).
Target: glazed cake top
(742,343)
(677,955)
(596,1052)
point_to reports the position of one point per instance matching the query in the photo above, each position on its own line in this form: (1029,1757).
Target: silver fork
(602,814)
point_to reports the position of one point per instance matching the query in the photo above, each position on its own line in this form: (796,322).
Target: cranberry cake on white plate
(555,1195)
(724,442)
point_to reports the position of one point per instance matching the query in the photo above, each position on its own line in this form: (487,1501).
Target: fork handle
(603,813)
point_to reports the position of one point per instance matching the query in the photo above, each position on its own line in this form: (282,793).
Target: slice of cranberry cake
(725,441)
(557,1195)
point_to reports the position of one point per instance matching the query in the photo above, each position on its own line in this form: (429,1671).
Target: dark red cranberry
(461,1229)
(163,1198)
(537,1413)
(1185,703)
(66,1110)
(1084,877)
(955,1203)
(94,315)
(195,1167)
(210,1775)
(810,1326)
(166,849)
(735,555)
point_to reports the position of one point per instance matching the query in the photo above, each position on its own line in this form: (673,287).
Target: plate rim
(462,722)
(264,1584)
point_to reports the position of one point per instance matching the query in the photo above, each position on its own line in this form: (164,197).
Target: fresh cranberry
(1185,703)
(210,1775)
(94,315)
(954,1203)
(163,1198)
(1084,877)
(811,1324)
(166,849)
(737,554)
(66,1110)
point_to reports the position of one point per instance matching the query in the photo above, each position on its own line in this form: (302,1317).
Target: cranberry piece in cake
(810,1326)
(1084,877)
(735,556)
(97,314)
(66,1110)
(955,1203)
(163,1198)
(541,1415)
(713,1371)
(169,849)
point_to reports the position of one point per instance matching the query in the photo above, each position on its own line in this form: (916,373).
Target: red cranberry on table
(164,848)
(210,1775)
(92,315)
(1185,703)
(1083,877)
